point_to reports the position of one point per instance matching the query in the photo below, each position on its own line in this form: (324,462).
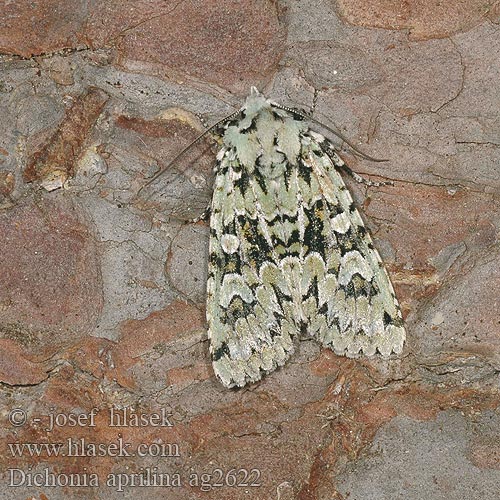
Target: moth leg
(330,151)
(204,216)
(315,101)
(363,180)
(337,161)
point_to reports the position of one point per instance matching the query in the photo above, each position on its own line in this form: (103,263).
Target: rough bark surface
(102,291)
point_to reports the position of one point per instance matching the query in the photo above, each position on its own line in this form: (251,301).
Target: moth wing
(249,312)
(356,307)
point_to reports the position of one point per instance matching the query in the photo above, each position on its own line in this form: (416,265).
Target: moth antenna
(192,143)
(304,116)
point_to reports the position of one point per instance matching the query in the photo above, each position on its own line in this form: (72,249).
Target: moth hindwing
(289,253)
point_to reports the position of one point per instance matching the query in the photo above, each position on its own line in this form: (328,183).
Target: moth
(289,255)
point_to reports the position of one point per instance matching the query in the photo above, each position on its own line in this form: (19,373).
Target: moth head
(254,91)
(255,103)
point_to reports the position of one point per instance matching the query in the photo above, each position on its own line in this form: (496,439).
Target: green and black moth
(289,254)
